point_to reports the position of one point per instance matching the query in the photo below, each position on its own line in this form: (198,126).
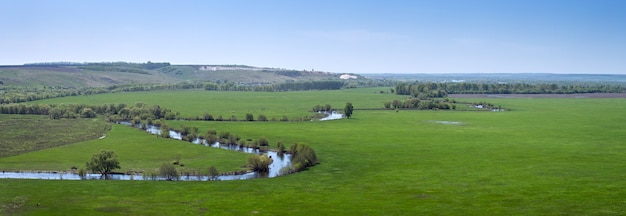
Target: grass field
(25,133)
(38,77)
(293,104)
(138,151)
(545,157)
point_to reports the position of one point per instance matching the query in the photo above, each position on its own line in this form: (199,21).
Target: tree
(213,173)
(168,172)
(103,162)
(348,109)
(87,113)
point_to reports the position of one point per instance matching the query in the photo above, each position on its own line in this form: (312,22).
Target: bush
(249,117)
(149,175)
(82,173)
(211,139)
(224,134)
(208,117)
(262,117)
(281,147)
(263,142)
(211,132)
(165,131)
(260,163)
(303,156)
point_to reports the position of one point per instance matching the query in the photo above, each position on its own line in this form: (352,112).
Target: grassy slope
(25,133)
(190,72)
(72,77)
(137,151)
(547,156)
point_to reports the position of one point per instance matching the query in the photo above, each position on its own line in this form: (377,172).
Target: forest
(432,89)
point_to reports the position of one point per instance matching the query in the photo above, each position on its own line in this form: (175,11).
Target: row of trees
(148,65)
(431,90)
(136,113)
(324,108)
(416,103)
(13,94)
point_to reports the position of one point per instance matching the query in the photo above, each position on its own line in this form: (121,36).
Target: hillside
(106,74)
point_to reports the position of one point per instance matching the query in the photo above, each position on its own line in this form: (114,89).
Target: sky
(344,36)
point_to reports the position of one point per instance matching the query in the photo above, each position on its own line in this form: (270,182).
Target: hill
(74,75)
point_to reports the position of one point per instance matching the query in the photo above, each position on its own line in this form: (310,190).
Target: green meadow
(190,103)
(543,157)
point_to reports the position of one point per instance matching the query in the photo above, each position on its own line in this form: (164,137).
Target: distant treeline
(10,94)
(429,90)
(139,111)
(148,65)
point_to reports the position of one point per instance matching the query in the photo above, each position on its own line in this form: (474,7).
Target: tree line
(14,94)
(139,111)
(430,90)
(422,104)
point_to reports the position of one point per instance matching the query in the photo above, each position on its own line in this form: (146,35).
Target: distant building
(348,76)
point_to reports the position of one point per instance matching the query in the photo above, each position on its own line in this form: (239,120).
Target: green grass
(293,104)
(137,151)
(545,157)
(26,133)
(39,77)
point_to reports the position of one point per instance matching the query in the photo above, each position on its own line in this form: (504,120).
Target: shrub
(149,175)
(263,141)
(281,147)
(224,134)
(208,117)
(82,173)
(232,139)
(211,132)
(260,163)
(165,131)
(262,117)
(303,156)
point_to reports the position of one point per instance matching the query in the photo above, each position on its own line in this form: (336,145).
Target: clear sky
(413,36)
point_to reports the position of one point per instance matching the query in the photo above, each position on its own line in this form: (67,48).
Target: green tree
(168,172)
(213,173)
(348,109)
(87,113)
(103,162)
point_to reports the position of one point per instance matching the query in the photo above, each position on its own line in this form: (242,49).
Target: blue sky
(420,36)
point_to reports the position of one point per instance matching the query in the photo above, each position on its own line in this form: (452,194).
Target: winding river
(280,165)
